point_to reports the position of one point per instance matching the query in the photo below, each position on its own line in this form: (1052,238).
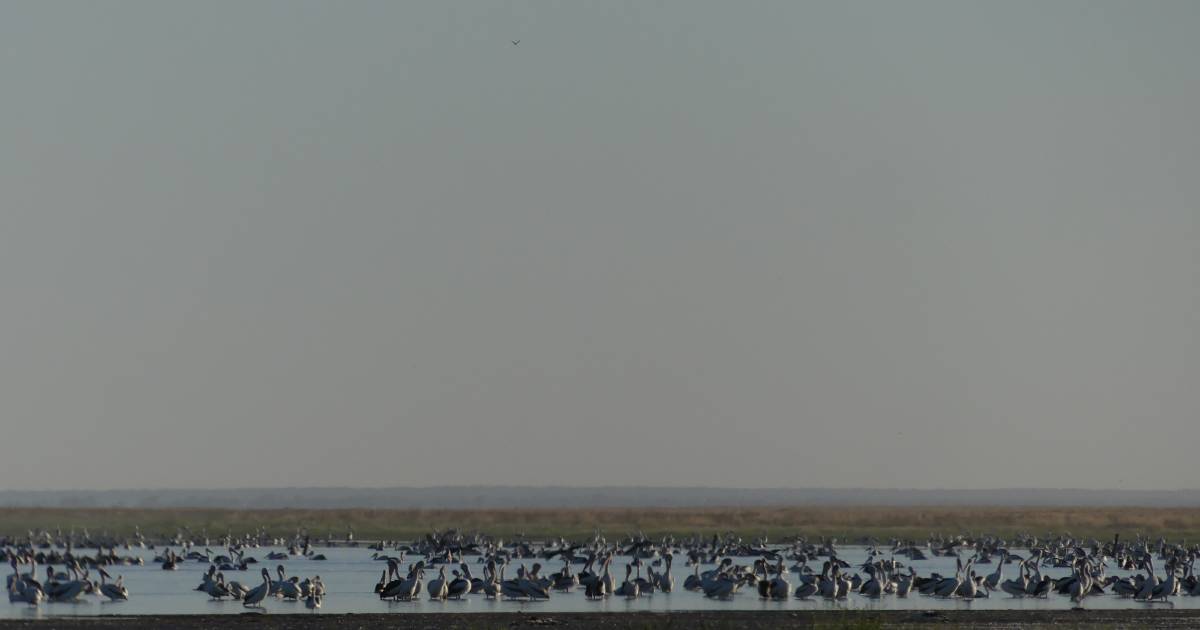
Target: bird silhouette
(516,42)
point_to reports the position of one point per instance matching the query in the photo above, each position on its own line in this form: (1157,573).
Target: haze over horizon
(931,244)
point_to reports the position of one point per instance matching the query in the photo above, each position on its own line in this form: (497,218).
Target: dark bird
(516,42)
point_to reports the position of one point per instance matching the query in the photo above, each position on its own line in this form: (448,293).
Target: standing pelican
(996,577)
(256,595)
(459,586)
(316,593)
(666,583)
(438,588)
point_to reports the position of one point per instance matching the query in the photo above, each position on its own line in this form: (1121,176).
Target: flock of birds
(766,570)
(515,571)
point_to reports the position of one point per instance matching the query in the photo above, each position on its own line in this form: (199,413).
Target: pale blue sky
(918,244)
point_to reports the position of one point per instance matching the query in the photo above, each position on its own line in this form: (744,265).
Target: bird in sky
(516,42)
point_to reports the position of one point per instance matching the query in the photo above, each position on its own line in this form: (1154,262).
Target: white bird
(114,591)
(438,588)
(628,588)
(22,591)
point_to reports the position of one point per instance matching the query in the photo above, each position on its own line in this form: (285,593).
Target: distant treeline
(493,497)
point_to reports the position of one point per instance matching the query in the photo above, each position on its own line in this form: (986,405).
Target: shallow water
(350,576)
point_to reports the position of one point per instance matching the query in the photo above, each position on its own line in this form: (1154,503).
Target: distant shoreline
(847,524)
(500,497)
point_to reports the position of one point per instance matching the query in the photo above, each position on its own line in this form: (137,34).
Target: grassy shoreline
(846,523)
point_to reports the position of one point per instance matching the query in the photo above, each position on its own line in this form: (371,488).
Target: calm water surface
(350,576)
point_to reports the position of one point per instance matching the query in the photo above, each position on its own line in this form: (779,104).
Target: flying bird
(516,42)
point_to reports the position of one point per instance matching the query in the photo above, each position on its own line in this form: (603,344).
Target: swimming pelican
(905,583)
(628,588)
(693,582)
(286,588)
(114,592)
(949,586)
(21,590)
(1018,587)
(871,588)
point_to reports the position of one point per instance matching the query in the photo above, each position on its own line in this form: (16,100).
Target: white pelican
(21,590)
(666,583)
(438,588)
(628,588)
(114,592)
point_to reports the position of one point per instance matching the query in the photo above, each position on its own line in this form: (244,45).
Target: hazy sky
(918,244)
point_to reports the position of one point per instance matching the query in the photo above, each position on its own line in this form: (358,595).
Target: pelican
(235,588)
(532,588)
(288,589)
(996,577)
(949,586)
(1018,587)
(1167,586)
(564,580)
(410,587)
(256,595)
(71,591)
(460,585)
(969,587)
(1150,584)
(720,588)
(666,583)
(1082,584)
(438,588)
(21,590)
(905,583)
(693,582)
(828,581)
(628,588)
(114,592)
(871,588)
(511,589)
(608,583)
